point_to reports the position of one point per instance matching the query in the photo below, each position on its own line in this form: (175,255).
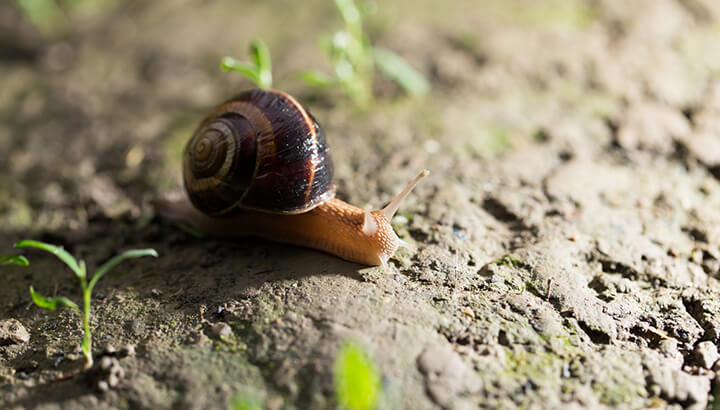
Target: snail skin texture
(259,166)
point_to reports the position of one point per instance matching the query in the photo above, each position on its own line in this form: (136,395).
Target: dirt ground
(568,237)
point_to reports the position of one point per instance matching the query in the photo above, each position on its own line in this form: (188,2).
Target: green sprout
(53,17)
(357,383)
(13,260)
(355,59)
(508,260)
(259,70)
(78,268)
(245,402)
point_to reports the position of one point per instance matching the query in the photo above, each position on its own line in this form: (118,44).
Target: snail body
(259,165)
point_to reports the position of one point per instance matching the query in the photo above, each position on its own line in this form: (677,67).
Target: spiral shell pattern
(261,150)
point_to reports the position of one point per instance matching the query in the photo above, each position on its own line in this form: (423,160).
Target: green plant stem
(87,336)
(86,344)
(80,271)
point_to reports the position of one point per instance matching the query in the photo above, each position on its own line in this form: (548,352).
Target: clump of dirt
(567,241)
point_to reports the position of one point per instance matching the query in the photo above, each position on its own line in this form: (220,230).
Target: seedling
(78,268)
(357,383)
(354,60)
(13,260)
(259,70)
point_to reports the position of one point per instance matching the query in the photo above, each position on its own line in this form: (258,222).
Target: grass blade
(135,253)
(14,260)
(52,303)
(357,383)
(260,54)
(316,78)
(395,67)
(349,11)
(61,253)
(247,70)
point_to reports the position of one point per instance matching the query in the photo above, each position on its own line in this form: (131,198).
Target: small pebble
(221,330)
(113,380)
(109,350)
(127,350)
(669,346)
(110,373)
(13,332)
(106,363)
(706,354)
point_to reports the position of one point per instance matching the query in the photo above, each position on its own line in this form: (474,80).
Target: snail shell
(260,150)
(259,165)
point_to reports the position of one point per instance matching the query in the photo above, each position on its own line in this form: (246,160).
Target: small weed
(13,260)
(357,383)
(246,402)
(355,59)
(532,286)
(79,270)
(507,260)
(259,70)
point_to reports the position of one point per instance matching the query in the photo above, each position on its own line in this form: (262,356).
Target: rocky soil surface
(568,239)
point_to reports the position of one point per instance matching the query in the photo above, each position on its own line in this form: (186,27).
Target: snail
(258,165)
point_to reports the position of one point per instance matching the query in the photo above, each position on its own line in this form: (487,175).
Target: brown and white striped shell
(260,150)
